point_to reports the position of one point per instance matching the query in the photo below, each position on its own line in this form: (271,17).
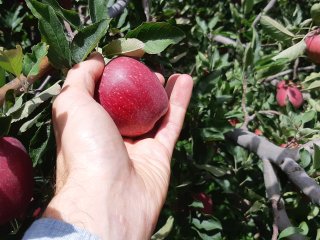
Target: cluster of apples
(290,92)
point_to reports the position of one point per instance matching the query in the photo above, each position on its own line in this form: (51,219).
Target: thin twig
(223,40)
(264,11)
(243,102)
(146,7)
(295,69)
(16,83)
(69,30)
(43,84)
(264,112)
(280,74)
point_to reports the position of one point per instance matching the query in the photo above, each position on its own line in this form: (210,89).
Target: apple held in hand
(313,48)
(16,179)
(133,96)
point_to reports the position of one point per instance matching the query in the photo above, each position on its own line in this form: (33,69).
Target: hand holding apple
(119,184)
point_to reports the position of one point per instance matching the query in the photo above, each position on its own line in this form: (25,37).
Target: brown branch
(280,74)
(284,158)
(264,112)
(264,11)
(295,69)
(281,220)
(71,34)
(243,102)
(17,83)
(146,7)
(223,40)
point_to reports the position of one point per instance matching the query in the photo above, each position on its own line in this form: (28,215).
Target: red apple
(313,47)
(206,200)
(291,93)
(295,96)
(133,96)
(16,179)
(282,93)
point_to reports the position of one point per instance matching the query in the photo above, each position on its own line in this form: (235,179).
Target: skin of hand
(112,187)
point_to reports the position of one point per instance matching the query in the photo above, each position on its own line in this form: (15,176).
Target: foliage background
(204,160)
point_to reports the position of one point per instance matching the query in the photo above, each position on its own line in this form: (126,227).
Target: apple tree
(247,162)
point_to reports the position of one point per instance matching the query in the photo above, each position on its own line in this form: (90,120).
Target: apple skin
(282,93)
(313,48)
(291,93)
(132,95)
(16,181)
(206,201)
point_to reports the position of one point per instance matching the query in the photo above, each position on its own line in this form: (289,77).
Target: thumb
(83,76)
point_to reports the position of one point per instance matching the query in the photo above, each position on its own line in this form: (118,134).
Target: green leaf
(316,157)
(292,52)
(211,134)
(248,5)
(305,158)
(164,231)
(215,171)
(70,16)
(275,29)
(28,107)
(248,55)
(28,124)
(98,10)
(53,33)
(315,13)
(130,47)
(313,85)
(87,39)
(207,225)
(11,60)
(40,143)
(304,227)
(5,123)
(312,76)
(2,77)
(289,231)
(156,36)
(308,116)
(31,62)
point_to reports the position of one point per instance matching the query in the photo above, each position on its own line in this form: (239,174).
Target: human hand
(113,187)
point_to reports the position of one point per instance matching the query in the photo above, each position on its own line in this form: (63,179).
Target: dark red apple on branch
(133,96)
(16,179)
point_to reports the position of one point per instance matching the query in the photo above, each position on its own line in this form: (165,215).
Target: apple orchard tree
(247,162)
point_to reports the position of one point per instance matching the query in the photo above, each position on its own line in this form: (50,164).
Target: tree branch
(273,189)
(284,158)
(117,8)
(243,102)
(264,11)
(16,84)
(280,74)
(223,40)
(146,7)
